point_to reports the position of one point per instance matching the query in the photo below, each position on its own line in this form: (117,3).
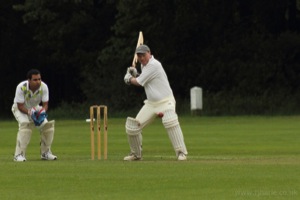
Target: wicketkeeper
(30,114)
(160,102)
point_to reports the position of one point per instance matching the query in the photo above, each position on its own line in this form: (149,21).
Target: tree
(15,52)
(230,48)
(68,35)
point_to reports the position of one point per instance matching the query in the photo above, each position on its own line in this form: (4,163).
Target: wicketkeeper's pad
(47,135)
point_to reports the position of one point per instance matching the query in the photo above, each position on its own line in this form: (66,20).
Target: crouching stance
(30,115)
(160,103)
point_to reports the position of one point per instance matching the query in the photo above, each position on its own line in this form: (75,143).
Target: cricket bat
(139,42)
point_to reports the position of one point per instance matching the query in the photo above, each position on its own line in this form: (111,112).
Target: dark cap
(142,49)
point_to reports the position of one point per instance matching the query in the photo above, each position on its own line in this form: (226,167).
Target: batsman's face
(144,58)
(35,82)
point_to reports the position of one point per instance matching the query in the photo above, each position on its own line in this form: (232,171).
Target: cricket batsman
(160,103)
(30,114)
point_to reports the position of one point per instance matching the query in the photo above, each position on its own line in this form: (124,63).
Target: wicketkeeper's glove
(31,111)
(38,117)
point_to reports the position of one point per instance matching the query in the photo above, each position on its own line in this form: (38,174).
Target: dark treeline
(244,54)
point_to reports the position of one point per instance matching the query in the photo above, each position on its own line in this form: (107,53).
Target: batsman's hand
(127,78)
(133,71)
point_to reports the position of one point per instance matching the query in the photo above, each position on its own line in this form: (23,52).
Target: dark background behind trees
(244,54)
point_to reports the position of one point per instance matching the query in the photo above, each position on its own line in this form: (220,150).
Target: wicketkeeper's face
(144,58)
(35,82)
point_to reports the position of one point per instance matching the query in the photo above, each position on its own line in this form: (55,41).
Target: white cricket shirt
(155,81)
(25,95)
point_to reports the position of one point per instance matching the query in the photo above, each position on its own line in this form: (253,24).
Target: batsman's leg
(171,123)
(133,130)
(145,116)
(23,139)
(47,135)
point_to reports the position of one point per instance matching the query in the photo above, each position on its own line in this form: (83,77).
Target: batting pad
(171,123)
(134,136)
(133,126)
(47,135)
(23,138)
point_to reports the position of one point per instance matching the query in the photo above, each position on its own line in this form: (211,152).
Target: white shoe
(181,157)
(19,158)
(132,157)
(48,156)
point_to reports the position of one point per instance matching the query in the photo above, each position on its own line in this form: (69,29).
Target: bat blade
(139,42)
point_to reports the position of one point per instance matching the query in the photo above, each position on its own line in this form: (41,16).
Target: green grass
(229,158)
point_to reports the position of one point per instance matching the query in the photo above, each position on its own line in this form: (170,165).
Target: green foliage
(268,103)
(69,111)
(240,49)
(69,35)
(229,158)
(81,111)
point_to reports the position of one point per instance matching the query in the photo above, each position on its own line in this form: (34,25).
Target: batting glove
(127,78)
(133,71)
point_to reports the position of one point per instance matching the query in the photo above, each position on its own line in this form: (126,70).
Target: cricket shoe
(48,156)
(181,157)
(132,157)
(19,158)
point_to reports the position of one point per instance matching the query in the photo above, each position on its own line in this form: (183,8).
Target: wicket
(98,121)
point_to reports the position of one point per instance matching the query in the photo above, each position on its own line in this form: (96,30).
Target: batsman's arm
(133,81)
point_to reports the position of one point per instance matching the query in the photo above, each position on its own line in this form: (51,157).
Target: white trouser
(149,112)
(25,129)
(150,109)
